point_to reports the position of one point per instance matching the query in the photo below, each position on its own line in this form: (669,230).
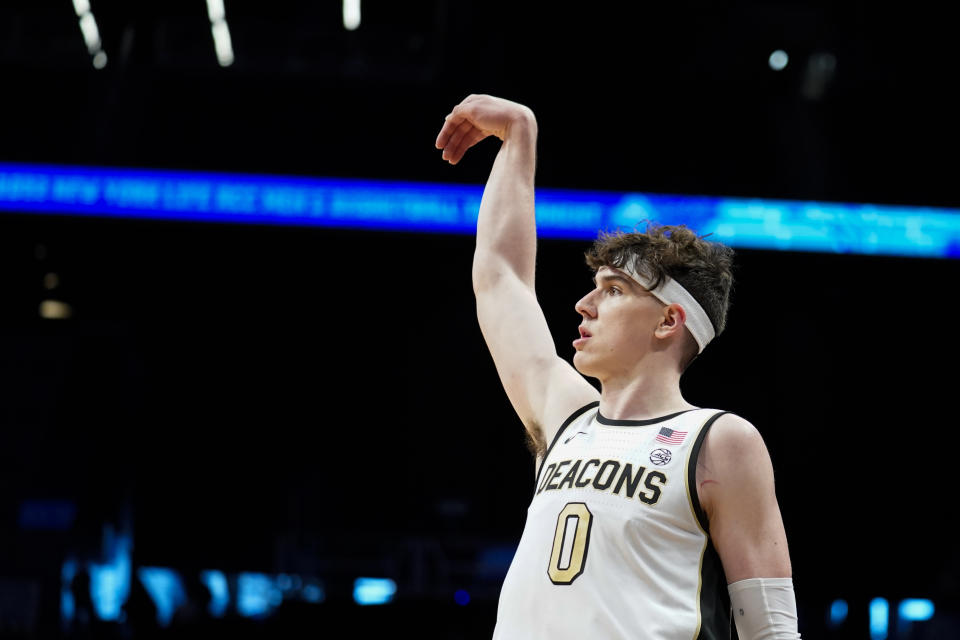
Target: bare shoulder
(736,489)
(733,461)
(733,438)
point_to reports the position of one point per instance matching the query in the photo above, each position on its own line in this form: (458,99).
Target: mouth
(579,343)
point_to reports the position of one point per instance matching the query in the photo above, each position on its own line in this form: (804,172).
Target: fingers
(459,140)
(459,132)
(450,124)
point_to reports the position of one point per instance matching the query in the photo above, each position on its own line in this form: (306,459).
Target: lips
(579,342)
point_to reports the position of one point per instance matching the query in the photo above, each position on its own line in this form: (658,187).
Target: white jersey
(616,544)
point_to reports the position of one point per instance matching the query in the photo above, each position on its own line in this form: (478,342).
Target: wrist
(522,125)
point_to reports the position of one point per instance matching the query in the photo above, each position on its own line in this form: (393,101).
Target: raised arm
(542,387)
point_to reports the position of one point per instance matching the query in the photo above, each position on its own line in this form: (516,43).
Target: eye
(613,290)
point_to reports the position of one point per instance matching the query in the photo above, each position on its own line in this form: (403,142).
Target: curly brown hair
(702,267)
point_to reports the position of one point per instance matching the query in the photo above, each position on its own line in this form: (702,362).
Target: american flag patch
(669,436)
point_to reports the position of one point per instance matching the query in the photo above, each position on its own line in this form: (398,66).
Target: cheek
(618,337)
(632,338)
(632,330)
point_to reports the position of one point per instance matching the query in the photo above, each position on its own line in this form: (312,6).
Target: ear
(672,322)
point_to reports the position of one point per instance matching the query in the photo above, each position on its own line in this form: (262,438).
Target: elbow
(485,280)
(488,271)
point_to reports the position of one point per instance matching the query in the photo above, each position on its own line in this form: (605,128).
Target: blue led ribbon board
(787,225)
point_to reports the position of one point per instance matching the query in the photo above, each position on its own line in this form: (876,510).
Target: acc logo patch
(660,457)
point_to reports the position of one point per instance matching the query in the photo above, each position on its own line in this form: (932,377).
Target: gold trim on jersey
(696,519)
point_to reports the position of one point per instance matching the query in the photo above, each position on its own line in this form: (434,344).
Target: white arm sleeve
(764,609)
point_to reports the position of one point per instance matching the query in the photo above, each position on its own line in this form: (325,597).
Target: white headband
(669,292)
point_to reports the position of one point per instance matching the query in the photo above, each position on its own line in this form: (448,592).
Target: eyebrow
(613,276)
(630,283)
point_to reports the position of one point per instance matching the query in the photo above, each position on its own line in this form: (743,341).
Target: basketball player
(651,518)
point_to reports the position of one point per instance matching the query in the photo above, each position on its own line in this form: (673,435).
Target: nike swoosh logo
(574,436)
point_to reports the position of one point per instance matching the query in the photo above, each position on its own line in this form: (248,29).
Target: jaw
(579,359)
(586,364)
(611,365)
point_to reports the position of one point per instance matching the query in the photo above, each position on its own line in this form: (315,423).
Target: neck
(642,396)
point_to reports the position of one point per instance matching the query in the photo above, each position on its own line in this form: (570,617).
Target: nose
(586,307)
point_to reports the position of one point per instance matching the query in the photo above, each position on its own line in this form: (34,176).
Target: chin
(581,363)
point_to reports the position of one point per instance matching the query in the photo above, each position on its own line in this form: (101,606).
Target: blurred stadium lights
(754,223)
(91,34)
(55,310)
(254,595)
(221,32)
(908,611)
(912,610)
(216,583)
(68,571)
(257,594)
(915,609)
(879,619)
(110,580)
(372,591)
(313,592)
(778,60)
(351,14)
(838,613)
(165,589)
(397,44)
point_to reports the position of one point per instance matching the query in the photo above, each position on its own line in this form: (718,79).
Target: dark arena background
(251,423)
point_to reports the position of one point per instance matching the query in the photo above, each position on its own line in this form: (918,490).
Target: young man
(651,518)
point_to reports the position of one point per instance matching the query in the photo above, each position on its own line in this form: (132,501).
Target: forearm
(765,609)
(506,228)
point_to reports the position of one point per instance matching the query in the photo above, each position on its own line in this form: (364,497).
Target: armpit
(536,443)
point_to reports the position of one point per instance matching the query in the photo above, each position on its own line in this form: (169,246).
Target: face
(619,320)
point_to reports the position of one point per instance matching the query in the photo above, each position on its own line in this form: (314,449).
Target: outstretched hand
(476,118)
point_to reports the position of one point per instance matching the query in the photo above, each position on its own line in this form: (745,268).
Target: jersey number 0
(570,542)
